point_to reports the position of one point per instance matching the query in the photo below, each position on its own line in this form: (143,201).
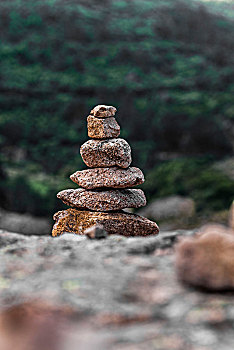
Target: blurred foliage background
(167,65)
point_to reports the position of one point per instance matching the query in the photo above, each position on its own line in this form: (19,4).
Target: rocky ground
(123,292)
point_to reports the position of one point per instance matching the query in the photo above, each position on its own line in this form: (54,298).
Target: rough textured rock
(78,221)
(206,261)
(24,223)
(108,177)
(123,291)
(103,111)
(96,232)
(103,200)
(102,128)
(106,153)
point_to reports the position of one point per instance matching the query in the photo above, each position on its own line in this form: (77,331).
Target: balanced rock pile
(105,186)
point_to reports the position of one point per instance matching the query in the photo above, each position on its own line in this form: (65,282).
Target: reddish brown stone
(103,111)
(77,221)
(102,128)
(103,200)
(106,153)
(108,177)
(206,261)
(30,325)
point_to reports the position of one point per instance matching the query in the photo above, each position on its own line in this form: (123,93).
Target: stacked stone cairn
(106,186)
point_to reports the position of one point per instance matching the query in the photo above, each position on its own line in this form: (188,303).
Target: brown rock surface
(77,221)
(103,111)
(30,326)
(106,153)
(108,177)
(102,128)
(103,200)
(206,261)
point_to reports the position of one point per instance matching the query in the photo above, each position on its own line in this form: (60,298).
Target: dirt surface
(123,291)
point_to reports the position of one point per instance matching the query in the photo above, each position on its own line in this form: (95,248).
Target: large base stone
(77,221)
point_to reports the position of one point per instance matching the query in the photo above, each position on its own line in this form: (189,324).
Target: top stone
(103,111)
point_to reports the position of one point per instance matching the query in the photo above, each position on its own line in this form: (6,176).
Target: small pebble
(96,232)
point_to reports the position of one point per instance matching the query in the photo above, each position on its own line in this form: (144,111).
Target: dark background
(168,66)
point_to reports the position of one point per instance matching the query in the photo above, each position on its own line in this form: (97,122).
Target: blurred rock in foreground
(123,293)
(171,212)
(206,261)
(24,223)
(31,326)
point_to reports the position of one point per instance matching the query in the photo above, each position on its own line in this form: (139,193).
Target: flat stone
(103,200)
(106,153)
(108,177)
(206,260)
(103,111)
(78,221)
(102,128)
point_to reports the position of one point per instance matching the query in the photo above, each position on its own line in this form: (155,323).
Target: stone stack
(106,185)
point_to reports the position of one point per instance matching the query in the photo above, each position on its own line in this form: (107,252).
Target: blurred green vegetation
(196,178)
(167,65)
